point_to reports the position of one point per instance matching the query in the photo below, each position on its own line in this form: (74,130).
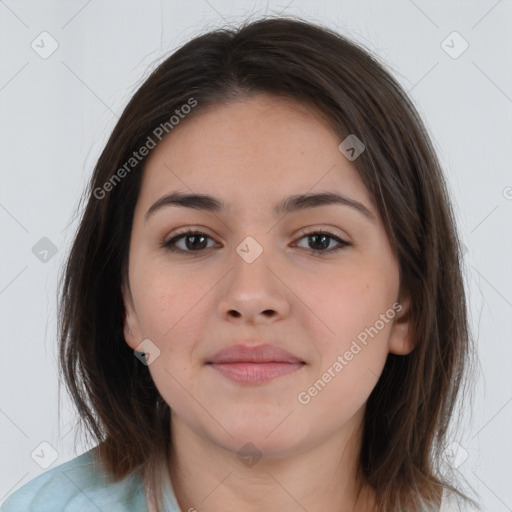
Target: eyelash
(170,244)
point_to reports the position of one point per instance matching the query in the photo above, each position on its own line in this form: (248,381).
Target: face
(320,282)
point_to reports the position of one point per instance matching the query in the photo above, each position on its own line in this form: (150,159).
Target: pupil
(194,245)
(325,241)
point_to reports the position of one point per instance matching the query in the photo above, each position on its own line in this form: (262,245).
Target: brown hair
(408,412)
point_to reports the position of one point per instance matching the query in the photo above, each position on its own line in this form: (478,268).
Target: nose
(254,292)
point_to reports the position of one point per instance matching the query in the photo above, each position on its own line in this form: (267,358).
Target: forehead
(259,148)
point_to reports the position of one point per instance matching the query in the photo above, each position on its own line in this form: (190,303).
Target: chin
(265,440)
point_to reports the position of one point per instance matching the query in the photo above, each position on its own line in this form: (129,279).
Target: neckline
(169,500)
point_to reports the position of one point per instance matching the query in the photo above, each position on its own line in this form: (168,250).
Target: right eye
(194,241)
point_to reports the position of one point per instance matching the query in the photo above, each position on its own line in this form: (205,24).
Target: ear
(400,340)
(130,324)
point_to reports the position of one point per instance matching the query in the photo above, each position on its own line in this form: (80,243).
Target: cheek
(348,366)
(167,303)
(349,317)
(169,306)
(341,305)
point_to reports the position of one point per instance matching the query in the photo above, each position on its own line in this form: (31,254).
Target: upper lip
(264,353)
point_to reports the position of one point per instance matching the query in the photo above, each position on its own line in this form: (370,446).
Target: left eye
(195,241)
(322,239)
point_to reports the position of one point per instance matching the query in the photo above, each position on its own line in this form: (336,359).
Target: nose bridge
(251,262)
(253,287)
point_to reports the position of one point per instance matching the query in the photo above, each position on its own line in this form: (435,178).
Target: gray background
(57,112)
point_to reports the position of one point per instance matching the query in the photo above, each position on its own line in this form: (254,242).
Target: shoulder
(78,485)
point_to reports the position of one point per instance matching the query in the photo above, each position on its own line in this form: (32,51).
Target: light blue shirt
(79,485)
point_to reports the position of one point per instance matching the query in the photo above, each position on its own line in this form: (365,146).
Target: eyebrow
(290,204)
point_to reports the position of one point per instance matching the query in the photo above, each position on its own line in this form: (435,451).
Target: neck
(207,477)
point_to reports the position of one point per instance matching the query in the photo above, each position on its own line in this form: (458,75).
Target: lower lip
(255,373)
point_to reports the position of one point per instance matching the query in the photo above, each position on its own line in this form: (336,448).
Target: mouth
(245,364)
(255,373)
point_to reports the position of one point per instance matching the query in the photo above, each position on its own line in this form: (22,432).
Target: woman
(263,306)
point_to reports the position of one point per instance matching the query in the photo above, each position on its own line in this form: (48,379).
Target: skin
(251,154)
